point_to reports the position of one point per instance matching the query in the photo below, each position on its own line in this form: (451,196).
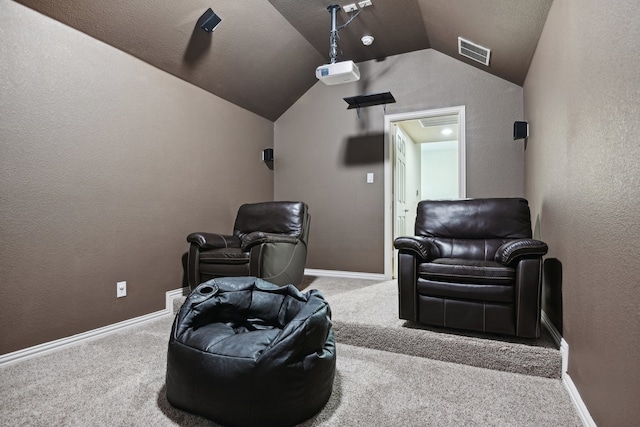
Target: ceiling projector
(338,73)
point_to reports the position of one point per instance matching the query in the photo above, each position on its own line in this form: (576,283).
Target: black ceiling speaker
(209,21)
(520,130)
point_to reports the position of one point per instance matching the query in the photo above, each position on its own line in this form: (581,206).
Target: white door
(396,170)
(400,184)
(400,187)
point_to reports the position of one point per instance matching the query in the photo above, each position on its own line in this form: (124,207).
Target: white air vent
(473,51)
(427,122)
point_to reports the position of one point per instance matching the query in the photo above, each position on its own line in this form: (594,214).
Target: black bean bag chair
(245,352)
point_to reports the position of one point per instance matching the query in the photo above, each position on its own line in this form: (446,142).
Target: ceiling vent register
(427,122)
(473,51)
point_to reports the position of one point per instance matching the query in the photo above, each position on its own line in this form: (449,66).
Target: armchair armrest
(418,245)
(260,237)
(523,248)
(213,240)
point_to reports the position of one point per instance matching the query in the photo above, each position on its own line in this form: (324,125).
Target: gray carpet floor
(118,380)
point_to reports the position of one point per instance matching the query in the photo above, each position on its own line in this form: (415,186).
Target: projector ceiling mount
(333,38)
(337,72)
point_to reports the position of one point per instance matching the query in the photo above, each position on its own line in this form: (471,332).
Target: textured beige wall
(323,151)
(106,165)
(583,180)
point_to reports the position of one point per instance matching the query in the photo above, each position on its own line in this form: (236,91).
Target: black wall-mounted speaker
(520,130)
(209,21)
(267,154)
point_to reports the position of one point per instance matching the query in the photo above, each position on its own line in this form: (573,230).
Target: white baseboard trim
(171,295)
(576,399)
(583,412)
(50,346)
(557,338)
(555,334)
(345,274)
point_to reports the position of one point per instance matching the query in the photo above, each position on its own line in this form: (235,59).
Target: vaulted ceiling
(264,53)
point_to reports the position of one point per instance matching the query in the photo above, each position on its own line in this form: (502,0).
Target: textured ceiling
(263,55)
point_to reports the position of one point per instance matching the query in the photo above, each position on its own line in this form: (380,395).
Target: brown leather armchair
(472,265)
(269,241)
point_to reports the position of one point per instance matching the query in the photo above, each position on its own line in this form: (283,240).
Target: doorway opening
(424,158)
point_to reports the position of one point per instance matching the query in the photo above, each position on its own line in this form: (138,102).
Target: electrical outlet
(349,7)
(364,3)
(121,289)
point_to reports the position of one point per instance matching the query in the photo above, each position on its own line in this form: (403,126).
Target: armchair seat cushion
(224,256)
(460,270)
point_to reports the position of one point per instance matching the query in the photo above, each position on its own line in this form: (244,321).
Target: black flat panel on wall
(369,100)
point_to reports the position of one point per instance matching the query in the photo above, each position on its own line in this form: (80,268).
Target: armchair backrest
(288,218)
(473,228)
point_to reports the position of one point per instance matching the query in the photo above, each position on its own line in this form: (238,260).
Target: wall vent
(447,120)
(473,51)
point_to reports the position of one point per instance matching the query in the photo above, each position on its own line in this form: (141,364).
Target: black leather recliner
(473,265)
(269,241)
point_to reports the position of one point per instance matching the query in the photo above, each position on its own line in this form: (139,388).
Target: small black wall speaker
(209,21)
(267,154)
(520,130)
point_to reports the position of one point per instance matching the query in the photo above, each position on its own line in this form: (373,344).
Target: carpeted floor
(118,380)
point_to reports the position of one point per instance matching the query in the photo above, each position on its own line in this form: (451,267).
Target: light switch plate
(121,289)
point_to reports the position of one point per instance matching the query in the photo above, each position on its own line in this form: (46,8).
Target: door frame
(389,119)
